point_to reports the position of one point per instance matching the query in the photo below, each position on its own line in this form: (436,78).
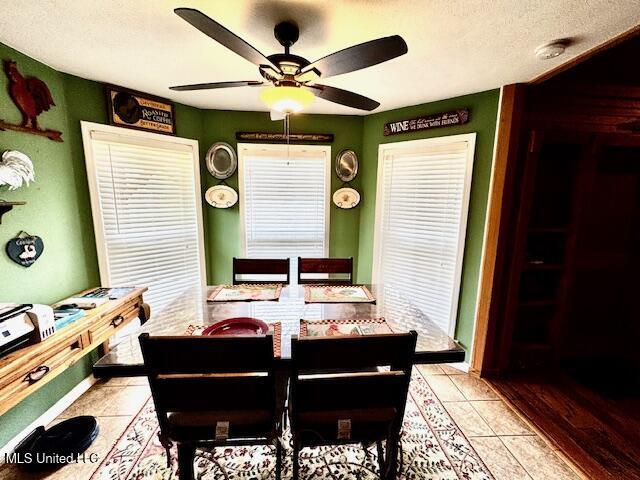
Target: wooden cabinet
(578,197)
(25,370)
(545,237)
(107,325)
(29,377)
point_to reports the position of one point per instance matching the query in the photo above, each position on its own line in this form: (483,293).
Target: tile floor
(509,448)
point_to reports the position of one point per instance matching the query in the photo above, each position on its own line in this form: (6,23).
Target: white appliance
(16,327)
(21,324)
(43,319)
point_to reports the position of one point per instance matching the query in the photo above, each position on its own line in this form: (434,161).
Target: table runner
(246,293)
(330,328)
(274,328)
(338,294)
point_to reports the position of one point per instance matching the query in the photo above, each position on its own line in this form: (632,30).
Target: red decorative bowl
(237,326)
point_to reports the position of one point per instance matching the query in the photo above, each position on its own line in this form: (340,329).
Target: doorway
(563,321)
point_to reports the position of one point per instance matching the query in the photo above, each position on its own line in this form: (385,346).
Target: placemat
(331,328)
(275,329)
(337,294)
(246,293)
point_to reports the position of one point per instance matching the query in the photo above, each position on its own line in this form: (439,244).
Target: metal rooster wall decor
(32,97)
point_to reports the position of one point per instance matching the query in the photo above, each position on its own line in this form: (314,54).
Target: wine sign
(446,119)
(131,109)
(25,249)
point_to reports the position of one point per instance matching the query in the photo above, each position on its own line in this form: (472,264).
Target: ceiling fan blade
(225,37)
(359,56)
(343,97)
(211,86)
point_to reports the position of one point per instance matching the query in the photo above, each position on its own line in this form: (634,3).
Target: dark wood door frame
(497,232)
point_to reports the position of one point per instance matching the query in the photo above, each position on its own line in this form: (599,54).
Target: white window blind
(146,209)
(423,199)
(284,201)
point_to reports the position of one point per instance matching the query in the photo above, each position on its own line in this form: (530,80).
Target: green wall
(56,210)
(484,110)
(58,207)
(57,202)
(222,226)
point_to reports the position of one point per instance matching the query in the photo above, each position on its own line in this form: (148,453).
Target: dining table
(191,309)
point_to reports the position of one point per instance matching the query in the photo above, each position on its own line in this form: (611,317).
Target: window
(145,198)
(284,201)
(421,218)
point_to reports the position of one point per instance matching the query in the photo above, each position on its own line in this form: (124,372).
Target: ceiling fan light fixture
(285,99)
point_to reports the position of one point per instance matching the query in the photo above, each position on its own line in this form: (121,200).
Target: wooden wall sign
(32,97)
(131,109)
(25,249)
(437,120)
(281,137)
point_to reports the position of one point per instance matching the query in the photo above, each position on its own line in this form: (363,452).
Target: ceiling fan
(292,78)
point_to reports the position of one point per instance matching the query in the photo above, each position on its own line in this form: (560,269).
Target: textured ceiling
(455,46)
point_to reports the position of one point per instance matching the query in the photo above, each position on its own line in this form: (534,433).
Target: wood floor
(600,435)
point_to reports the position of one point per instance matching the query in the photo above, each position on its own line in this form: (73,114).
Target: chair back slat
(354,353)
(319,271)
(236,392)
(201,354)
(265,267)
(350,392)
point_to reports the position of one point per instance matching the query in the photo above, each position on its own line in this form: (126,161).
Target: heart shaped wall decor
(25,249)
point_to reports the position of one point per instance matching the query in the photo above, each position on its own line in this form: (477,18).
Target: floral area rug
(433,448)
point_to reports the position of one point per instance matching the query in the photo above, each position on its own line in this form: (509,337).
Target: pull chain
(286,133)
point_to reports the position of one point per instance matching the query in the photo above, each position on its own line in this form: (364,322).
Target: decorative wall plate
(222,160)
(221,196)
(346,165)
(346,198)
(16,169)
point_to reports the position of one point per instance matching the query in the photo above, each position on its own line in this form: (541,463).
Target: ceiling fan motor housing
(286,33)
(289,64)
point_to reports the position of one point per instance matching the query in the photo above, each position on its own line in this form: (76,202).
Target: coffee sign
(131,109)
(446,119)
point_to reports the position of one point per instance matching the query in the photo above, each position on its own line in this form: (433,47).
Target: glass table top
(191,308)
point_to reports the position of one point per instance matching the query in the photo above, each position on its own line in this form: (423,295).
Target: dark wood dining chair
(267,268)
(213,391)
(338,394)
(319,271)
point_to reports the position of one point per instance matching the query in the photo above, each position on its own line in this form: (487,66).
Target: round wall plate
(346,165)
(19,169)
(221,196)
(346,198)
(222,160)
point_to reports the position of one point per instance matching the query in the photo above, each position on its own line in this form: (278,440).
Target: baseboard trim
(48,416)
(462,366)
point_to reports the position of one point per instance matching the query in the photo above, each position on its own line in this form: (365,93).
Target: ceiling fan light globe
(286,99)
